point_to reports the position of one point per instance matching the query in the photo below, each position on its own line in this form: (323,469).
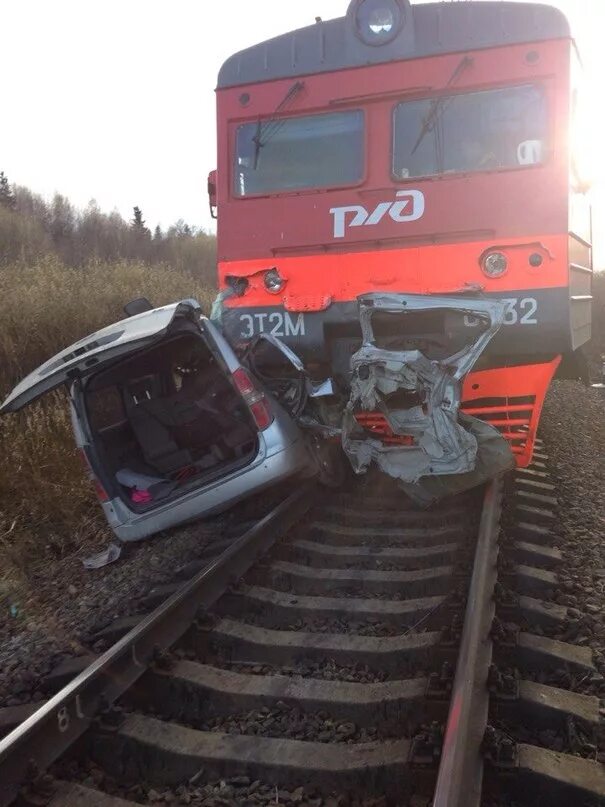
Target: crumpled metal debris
(419,399)
(493,457)
(280,370)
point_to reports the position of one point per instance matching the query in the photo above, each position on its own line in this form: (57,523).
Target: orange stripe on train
(315,281)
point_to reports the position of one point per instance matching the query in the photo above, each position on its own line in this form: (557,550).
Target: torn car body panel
(415,397)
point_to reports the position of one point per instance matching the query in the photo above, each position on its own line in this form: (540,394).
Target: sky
(114,99)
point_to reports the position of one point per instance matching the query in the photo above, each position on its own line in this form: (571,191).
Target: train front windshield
(314,151)
(478,131)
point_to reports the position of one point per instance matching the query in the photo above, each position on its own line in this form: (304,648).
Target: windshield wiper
(438,104)
(265,131)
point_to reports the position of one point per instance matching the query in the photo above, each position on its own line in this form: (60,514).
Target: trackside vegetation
(58,284)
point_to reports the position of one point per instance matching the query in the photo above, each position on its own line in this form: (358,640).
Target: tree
(90,233)
(62,226)
(138,223)
(140,237)
(157,234)
(7,197)
(180,230)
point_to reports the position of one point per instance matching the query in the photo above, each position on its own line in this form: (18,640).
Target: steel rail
(460,776)
(52,729)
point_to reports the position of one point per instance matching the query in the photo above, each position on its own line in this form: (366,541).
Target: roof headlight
(378,21)
(274,282)
(381,21)
(494,264)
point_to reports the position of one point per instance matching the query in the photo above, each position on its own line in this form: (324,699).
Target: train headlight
(494,264)
(378,21)
(274,282)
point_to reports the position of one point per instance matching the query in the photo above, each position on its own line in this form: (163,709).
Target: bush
(46,502)
(46,306)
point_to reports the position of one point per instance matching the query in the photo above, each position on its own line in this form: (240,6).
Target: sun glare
(585,145)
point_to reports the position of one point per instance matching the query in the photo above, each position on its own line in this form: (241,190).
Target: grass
(47,505)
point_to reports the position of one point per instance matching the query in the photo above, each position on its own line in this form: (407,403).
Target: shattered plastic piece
(104,558)
(322,389)
(419,399)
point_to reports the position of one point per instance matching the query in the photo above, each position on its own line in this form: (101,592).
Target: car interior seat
(158,446)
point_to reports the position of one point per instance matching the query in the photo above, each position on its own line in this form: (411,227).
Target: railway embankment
(573,430)
(64,604)
(559,589)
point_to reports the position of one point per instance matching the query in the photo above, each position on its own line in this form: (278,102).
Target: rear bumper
(222,494)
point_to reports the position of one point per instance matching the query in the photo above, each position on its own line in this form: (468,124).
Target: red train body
(434,160)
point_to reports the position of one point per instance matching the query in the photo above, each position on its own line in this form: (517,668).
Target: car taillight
(255,399)
(99,489)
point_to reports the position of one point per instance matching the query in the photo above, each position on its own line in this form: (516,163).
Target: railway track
(345,650)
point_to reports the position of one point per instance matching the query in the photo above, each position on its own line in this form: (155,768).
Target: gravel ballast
(228,792)
(573,431)
(63,604)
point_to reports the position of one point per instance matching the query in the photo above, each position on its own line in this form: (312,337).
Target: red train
(410,153)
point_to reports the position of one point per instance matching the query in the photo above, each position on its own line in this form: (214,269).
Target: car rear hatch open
(161,404)
(88,355)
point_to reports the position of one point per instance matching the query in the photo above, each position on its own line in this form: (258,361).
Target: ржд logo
(409,207)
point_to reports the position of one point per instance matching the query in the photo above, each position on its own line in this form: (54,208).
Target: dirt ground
(63,603)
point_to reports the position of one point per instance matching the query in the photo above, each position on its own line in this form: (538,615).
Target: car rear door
(88,355)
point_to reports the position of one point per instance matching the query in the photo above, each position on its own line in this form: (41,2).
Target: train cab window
(284,154)
(478,131)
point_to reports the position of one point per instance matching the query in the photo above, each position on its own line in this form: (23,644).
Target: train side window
(479,131)
(286,154)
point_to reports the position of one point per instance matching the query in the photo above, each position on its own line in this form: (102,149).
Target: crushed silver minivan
(171,424)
